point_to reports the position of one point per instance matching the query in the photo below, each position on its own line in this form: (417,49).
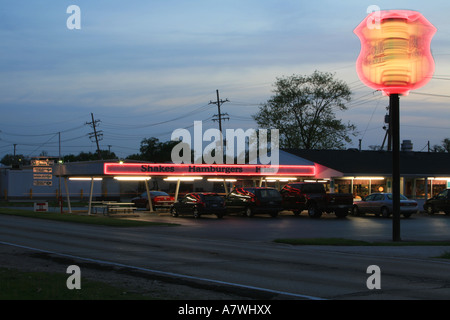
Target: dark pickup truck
(311,196)
(441,202)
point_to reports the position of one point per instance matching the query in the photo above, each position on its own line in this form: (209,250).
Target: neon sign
(169,169)
(395,52)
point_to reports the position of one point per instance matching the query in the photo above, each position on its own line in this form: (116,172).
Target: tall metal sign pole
(395,58)
(394,103)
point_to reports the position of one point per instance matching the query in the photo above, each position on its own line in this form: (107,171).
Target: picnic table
(111,207)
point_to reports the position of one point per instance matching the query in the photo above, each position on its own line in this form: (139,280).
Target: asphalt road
(240,252)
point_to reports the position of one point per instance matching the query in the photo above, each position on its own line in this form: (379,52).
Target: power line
(41,145)
(431,94)
(39,135)
(118,126)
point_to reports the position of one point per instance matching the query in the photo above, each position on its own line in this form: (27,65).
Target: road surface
(239,252)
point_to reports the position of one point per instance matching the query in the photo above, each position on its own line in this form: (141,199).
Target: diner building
(423,174)
(360,172)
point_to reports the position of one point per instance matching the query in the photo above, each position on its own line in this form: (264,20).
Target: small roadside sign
(41,207)
(42,169)
(42,163)
(43,176)
(42,172)
(42,183)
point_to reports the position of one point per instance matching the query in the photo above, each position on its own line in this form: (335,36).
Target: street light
(395,58)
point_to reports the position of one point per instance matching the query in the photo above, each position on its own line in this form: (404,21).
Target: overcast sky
(146,68)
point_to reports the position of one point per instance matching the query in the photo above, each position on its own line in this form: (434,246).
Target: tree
(153,150)
(444,147)
(89,156)
(303,110)
(10,159)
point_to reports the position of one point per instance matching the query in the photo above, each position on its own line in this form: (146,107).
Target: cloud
(144,62)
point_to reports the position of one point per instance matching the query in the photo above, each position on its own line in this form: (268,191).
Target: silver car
(381,204)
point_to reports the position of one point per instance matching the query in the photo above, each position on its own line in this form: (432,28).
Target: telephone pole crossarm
(220,116)
(96,134)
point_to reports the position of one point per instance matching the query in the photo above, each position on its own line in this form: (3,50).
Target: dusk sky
(146,68)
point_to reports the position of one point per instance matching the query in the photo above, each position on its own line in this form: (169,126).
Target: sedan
(160,199)
(440,202)
(254,200)
(198,204)
(382,204)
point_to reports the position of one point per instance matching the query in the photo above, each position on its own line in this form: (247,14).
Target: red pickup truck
(311,196)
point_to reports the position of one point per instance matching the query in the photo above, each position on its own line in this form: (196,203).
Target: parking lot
(262,227)
(419,227)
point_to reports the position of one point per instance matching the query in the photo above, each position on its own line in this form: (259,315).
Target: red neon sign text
(165,169)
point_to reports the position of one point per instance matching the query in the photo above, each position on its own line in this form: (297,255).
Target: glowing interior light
(182,178)
(395,53)
(280,178)
(84,179)
(132,178)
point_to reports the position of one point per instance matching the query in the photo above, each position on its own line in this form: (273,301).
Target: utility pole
(220,116)
(59,145)
(388,135)
(96,134)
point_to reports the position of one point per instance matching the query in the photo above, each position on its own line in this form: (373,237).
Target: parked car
(312,196)
(198,204)
(440,202)
(160,199)
(254,200)
(382,204)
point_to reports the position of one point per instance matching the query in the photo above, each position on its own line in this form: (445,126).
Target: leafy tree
(303,110)
(155,151)
(444,147)
(10,159)
(89,156)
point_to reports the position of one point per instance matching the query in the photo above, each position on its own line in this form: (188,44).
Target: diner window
(438,186)
(378,186)
(361,188)
(343,186)
(218,187)
(420,189)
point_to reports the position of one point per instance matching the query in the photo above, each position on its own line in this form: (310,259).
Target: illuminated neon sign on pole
(395,58)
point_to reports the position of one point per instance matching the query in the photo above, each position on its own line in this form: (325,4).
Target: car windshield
(313,188)
(308,187)
(212,197)
(154,194)
(158,193)
(402,197)
(269,193)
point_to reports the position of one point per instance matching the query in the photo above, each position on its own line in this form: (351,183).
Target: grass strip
(87,219)
(445,255)
(18,285)
(51,204)
(349,242)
